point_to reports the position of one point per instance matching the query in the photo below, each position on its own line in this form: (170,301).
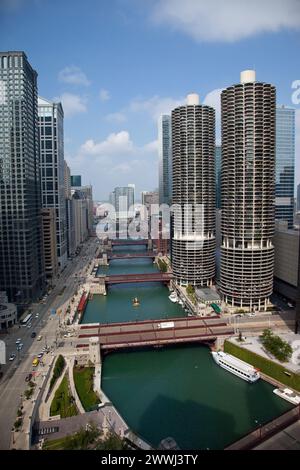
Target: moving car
(12,357)
(37,315)
(28,378)
(35,362)
(20,346)
(18,341)
(33,334)
(29,325)
(39,338)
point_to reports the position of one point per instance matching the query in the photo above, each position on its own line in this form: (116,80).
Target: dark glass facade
(22,273)
(285,164)
(76,180)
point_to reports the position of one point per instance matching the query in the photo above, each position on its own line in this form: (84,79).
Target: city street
(13,384)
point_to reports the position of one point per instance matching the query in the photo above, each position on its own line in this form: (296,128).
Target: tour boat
(288,395)
(173,297)
(135,302)
(237,367)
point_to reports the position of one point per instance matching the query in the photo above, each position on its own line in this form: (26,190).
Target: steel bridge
(155,332)
(137,278)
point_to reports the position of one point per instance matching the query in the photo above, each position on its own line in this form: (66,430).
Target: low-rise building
(286,272)
(207,296)
(8,312)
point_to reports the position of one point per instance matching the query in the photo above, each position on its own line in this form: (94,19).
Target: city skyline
(149,228)
(111,106)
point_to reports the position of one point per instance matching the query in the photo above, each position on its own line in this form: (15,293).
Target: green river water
(176,391)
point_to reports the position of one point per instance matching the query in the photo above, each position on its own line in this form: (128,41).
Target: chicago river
(177,391)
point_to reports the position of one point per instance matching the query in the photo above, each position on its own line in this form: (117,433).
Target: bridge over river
(129,242)
(154,332)
(145,277)
(130,255)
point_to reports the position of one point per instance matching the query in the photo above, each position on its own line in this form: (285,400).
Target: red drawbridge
(147,277)
(127,242)
(132,255)
(154,332)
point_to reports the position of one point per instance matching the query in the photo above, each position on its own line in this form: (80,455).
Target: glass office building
(51,124)
(285,164)
(165,159)
(22,273)
(76,180)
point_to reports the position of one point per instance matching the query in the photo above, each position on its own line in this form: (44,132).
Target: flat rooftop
(207,294)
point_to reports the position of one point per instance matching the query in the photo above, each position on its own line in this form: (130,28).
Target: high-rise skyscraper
(76,180)
(165,159)
(51,124)
(22,273)
(285,164)
(298,198)
(218,158)
(193,161)
(248,192)
(123,199)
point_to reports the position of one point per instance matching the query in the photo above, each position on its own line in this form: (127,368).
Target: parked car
(39,338)
(39,356)
(251,314)
(12,357)
(33,334)
(28,377)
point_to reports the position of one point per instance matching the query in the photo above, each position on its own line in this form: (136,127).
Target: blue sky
(117,64)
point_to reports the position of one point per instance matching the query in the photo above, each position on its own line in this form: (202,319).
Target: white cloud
(104,95)
(213,98)
(227,21)
(115,143)
(117,157)
(116,117)
(74,76)
(72,104)
(155,106)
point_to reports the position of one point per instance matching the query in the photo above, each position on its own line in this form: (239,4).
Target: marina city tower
(248,197)
(193,193)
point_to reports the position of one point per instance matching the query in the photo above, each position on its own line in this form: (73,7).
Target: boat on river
(173,297)
(135,302)
(288,395)
(236,366)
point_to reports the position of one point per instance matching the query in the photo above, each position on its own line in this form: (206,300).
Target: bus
(27,319)
(216,308)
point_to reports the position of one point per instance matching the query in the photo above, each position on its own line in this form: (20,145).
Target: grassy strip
(63,403)
(270,368)
(58,368)
(84,381)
